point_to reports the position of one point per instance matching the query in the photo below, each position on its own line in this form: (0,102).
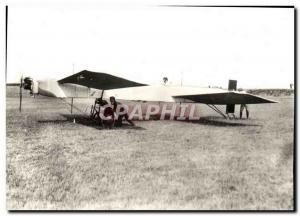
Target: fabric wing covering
(226,98)
(100,81)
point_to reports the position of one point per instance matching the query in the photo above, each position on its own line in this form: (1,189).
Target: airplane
(102,85)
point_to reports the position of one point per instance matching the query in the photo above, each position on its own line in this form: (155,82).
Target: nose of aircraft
(31,85)
(28,84)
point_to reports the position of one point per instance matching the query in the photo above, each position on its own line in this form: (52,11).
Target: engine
(31,85)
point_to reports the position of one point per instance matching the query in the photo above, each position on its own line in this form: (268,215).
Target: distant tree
(165,80)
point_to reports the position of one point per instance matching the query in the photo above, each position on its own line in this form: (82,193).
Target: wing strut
(217,110)
(102,94)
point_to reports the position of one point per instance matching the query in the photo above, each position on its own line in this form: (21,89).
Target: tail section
(232,84)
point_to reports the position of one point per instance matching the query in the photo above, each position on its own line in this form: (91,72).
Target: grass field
(212,164)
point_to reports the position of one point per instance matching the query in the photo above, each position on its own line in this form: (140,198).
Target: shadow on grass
(208,120)
(221,122)
(87,121)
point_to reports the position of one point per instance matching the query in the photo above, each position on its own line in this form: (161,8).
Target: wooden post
(179,110)
(21,86)
(71,105)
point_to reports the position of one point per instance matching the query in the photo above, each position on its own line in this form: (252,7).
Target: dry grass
(213,164)
(272,92)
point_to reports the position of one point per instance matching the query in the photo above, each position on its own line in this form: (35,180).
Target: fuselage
(158,93)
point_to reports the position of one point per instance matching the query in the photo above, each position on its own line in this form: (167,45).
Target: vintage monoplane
(86,83)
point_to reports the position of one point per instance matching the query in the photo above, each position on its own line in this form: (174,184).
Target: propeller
(26,84)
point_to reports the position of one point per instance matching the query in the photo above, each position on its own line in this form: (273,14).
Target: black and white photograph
(149,106)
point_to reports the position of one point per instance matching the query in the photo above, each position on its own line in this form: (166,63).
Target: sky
(146,42)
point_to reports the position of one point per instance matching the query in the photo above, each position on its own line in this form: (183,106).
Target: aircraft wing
(97,80)
(224,98)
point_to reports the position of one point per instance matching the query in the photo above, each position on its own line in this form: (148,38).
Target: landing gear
(228,115)
(231,116)
(213,107)
(95,113)
(108,113)
(244,106)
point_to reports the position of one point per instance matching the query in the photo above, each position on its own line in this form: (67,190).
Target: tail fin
(232,84)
